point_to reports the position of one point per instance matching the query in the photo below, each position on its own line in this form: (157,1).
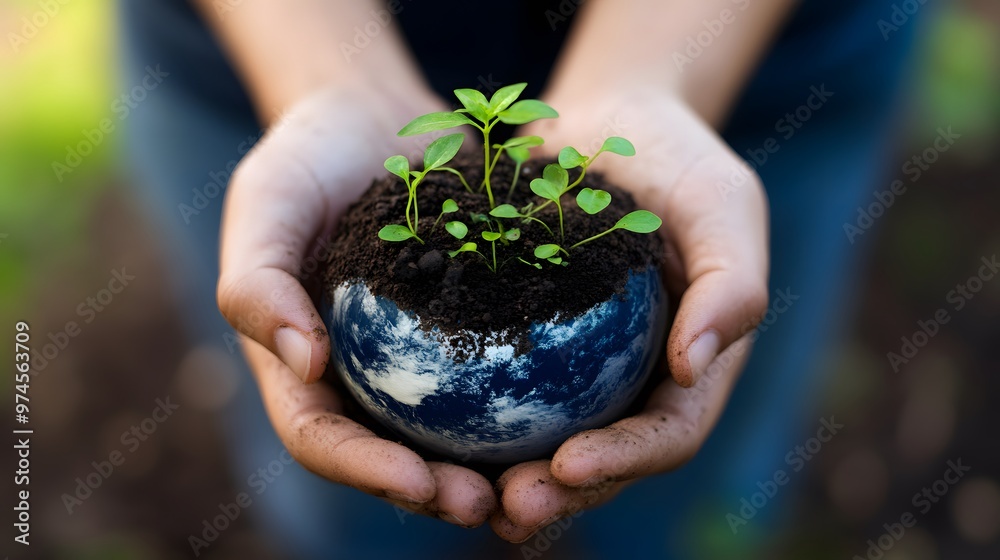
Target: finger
(309,421)
(665,435)
(464,497)
(273,211)
(723,246)
(532,499)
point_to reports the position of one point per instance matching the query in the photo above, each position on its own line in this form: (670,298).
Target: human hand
(715,217)
(287,193)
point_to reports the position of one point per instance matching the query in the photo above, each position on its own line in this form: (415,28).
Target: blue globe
(497,406)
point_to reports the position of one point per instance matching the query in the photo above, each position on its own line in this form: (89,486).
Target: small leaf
(526,111)
(457,229)
(505,96)
(545,189)
(569,158)
(593,200)
(618,145)
(512,234)
(442,150)
(555,260)
(536,265)
(526,141)
(519,154)
(478,218)
(395,233)
(491,236)
(505,211)
(475,102)
(556,175)
(546,251)
(449,206)
(398,166)
(467,248)
(433,121)
(640,221)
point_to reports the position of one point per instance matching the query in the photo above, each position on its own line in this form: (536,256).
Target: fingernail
(453,519)
(294,350)
(402,497)
(701,353)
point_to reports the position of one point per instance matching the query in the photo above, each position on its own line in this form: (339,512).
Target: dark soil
(461,294)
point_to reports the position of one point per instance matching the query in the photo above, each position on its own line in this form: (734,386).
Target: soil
(461,294)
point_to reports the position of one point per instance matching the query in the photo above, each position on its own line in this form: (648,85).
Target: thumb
(724,254)
(273,211)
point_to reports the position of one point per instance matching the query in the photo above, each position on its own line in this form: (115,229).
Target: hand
(714,212)
(286,193)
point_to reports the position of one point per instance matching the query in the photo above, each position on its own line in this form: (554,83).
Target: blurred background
(61,218)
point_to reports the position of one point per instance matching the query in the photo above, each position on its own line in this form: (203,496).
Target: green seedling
(518,152)
(448,207)
(473,248)
(457,229)
(570,158)
(593,201)
(437,154)
(502,107)
(639,221)
(550,252)
(508,211)
(551,186)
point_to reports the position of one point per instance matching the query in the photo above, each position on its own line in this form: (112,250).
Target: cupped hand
(715,218)
(284,196)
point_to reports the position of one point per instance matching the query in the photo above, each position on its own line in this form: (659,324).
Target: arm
(338,124)
(618,76)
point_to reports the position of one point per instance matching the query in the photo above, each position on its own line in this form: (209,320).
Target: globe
(494,405)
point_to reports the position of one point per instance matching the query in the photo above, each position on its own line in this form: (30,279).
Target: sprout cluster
(499,224)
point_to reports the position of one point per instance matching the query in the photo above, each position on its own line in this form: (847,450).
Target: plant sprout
(484,115)
(437,154)
(502,107)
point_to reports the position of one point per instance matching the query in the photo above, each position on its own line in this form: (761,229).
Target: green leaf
(546,189)
(593,200)
(491,236)
(440,151)
(526,111)
(505,96)
(640,221)
(457,229)
(555,260)
(512,234)
(399,166)
(519,154)
(475,102)
(505,211)
(546,251)
(536,265)
(478,218)
(433,121)
(449,206)
(395,233)
(618,145)
(569,158)
(467,248)
(526,141)
(556,175)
